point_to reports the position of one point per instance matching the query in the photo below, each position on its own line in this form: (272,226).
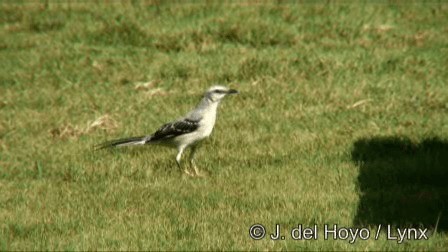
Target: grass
(342,119)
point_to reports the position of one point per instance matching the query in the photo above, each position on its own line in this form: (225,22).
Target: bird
(187,131)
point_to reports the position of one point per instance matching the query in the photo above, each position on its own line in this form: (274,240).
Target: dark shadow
(402,183)
(167,165)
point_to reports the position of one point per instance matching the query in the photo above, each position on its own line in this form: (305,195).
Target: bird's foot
(197,173)
(187,172)
(200,175)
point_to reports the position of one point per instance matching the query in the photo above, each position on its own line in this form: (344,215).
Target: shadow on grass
(402,183)
(165,165)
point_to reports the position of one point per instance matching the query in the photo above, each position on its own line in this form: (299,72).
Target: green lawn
(342,118)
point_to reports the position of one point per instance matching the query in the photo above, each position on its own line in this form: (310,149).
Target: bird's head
(217,93)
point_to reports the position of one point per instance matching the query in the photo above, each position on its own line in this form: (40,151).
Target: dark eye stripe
(219,91)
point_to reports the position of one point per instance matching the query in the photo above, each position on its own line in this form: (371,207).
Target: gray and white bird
(184,132)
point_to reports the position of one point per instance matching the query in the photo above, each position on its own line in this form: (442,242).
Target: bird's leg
(178,157)
(192,163)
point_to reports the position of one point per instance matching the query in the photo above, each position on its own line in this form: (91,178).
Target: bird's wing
(173,129)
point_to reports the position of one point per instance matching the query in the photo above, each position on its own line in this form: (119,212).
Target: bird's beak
(232,91)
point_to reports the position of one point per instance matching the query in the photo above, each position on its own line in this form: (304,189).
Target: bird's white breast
(206,124)
(208,121)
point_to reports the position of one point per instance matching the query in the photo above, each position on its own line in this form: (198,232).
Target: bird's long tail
(141,140)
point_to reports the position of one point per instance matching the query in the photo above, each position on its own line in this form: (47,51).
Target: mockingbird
(184,132)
